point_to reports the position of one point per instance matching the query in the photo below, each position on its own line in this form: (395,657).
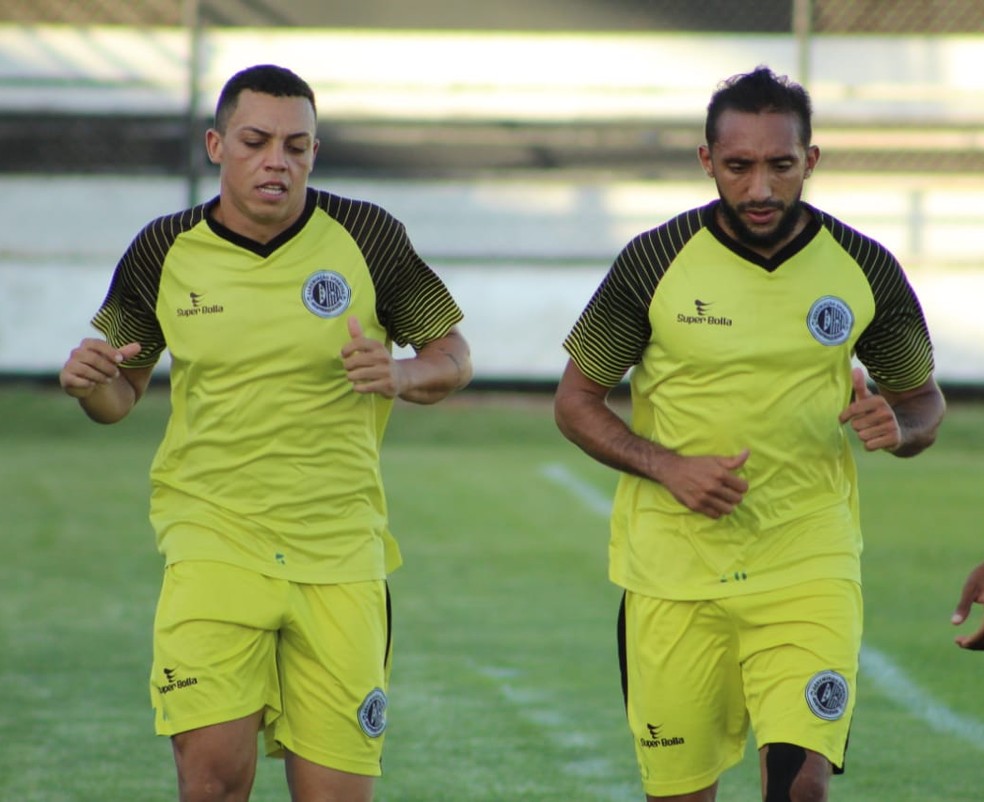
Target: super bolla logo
(703,316)
(199,306)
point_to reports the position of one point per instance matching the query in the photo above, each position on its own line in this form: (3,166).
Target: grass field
(505,684)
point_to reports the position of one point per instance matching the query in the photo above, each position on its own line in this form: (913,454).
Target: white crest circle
(326,293)
(830,320)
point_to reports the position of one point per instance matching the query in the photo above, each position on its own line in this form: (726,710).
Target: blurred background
(523,143)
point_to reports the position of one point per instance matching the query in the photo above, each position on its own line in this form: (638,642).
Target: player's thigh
(792,772)
(334,658)
(214,645)
(309,782)
(218,759)
(683,693)
(800,650)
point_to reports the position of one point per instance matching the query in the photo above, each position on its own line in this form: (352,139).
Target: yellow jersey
(270,460)
(729,350)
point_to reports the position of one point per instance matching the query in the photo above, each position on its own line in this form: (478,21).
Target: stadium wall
(522,256)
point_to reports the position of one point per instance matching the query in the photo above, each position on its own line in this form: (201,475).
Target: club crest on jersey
(372,713)
(826,694)
(830,320)
(326,293)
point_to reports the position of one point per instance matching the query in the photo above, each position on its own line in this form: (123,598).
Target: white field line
(540,709)
(893,683)
(594,775)
(890,680)
(586,493)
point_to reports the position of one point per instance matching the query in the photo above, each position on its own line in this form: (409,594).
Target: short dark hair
(267,79)
(760,91)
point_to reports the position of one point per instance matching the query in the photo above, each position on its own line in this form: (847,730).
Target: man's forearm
(110,402)
(439,369)
(597,430)
(919,418)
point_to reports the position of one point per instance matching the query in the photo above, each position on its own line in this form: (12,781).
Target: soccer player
(278,304)
(735,532)
(973,591)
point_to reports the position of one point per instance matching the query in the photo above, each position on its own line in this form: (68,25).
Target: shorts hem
(820,749)
(691,784)
(173,727)
(366,768)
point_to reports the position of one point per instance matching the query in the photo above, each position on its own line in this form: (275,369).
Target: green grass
(505,683)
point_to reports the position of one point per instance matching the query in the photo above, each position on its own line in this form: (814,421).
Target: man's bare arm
(706,484)
(105,391)
(438,369)
(902,423)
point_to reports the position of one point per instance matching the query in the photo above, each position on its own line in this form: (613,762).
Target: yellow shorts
(229,642)
(696,674)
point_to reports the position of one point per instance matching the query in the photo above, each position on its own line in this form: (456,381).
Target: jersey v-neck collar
(263,249)
(770,263)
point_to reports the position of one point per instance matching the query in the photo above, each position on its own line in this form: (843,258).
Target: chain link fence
(125,85)
(749,16)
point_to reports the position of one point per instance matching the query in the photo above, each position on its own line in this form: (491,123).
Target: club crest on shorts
(826,694)
(372,713)
(326,293)
(830,320)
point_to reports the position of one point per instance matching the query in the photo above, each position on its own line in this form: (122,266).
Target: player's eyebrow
(782,157)
(263,132)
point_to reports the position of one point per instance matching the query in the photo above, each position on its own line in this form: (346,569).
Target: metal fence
(762,16)
(126,85)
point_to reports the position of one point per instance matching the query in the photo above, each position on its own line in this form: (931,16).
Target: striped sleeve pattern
(412,303)
(128,313)
(613,330)
(896,347)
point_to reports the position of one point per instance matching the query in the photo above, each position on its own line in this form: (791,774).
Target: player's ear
(213,146)
(812,159)
(704,155)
